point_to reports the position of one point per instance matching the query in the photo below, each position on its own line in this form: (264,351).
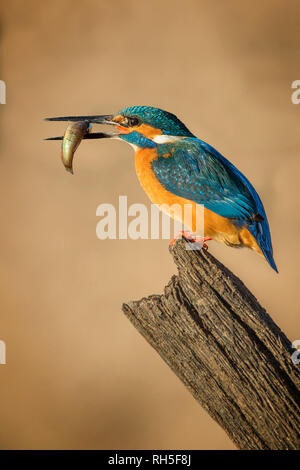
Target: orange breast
(216,227)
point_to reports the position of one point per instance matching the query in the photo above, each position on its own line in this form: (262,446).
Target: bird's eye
(133,121)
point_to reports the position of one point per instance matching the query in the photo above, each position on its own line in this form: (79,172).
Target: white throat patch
(165,139)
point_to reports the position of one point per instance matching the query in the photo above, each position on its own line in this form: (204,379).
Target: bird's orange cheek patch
(148,131)
(123,130)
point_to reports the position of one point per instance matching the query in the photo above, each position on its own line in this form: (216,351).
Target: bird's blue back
(196,171)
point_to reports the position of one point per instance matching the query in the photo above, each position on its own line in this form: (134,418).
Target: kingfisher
(176,169)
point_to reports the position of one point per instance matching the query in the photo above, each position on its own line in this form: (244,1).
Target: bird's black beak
(101,119)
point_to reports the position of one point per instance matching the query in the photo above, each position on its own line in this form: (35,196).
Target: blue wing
(196,171)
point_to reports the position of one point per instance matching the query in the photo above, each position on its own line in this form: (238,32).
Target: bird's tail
(261,233)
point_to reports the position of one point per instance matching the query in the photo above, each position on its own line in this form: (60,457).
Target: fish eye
(133,121)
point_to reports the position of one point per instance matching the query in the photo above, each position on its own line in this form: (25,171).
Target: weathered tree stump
(216,337)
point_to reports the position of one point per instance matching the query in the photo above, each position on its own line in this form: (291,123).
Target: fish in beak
(76,131)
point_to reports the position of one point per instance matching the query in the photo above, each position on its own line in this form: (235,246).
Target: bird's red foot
(191,239)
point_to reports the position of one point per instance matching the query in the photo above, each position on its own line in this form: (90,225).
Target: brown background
(78,375)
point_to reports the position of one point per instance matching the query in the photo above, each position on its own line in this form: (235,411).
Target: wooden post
(216,337)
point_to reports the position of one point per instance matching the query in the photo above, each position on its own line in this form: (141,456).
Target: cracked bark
(216,337)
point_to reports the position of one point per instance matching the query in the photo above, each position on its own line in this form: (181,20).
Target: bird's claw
(191,239)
